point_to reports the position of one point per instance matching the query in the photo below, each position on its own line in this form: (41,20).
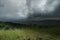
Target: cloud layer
(28,9)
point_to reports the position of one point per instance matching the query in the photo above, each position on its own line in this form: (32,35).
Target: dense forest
(10,25)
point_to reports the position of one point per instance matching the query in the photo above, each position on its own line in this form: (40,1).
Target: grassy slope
(46,33)
(50,34)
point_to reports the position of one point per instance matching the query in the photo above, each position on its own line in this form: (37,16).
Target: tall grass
(10,31)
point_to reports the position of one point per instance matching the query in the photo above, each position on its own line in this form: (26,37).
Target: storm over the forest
(29,10)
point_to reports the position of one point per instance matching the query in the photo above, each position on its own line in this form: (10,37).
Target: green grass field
(24,32)
(44,33)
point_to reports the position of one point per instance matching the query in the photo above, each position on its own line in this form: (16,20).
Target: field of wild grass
(18,32)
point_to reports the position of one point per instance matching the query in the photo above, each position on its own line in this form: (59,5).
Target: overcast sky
(28,9)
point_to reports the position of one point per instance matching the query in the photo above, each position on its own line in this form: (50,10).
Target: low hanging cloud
(28,9)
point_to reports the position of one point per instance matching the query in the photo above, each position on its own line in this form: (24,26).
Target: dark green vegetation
(15,31)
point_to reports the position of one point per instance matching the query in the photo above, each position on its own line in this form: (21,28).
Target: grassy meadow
(12,31)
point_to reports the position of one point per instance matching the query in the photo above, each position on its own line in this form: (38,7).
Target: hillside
(15,31)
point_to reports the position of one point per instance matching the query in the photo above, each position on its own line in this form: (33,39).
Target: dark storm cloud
(44,10)
(28,10)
